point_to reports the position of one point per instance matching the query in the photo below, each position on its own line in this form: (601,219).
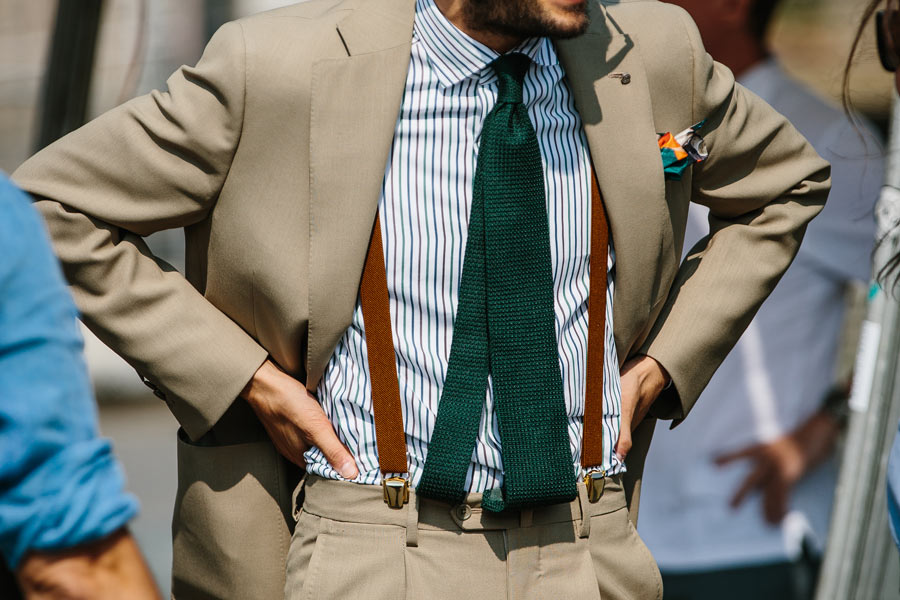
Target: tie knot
(510,70)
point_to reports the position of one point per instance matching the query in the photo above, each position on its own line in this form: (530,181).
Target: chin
(568,21)
(529,18)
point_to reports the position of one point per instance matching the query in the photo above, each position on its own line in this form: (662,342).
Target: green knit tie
(505,323)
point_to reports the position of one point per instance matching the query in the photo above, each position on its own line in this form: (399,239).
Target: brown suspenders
(386,403)
(592,437)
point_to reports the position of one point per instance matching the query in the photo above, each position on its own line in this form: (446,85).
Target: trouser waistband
(357,503)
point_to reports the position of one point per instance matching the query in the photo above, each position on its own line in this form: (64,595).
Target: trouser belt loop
(297,498)
(412,521)
(526,517)
(585,505)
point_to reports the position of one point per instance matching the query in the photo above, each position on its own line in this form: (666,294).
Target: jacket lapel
(355,103)
(618,123)
(354,107)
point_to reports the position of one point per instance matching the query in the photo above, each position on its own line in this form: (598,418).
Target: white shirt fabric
(777,375)
(424,208)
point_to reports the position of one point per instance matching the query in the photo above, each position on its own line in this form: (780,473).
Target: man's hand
(642,380)
(779,465)
(294,420)
(109,569)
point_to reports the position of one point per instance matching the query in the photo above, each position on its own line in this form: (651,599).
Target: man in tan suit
(271,154)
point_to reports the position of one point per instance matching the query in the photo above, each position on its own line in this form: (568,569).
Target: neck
(454,11)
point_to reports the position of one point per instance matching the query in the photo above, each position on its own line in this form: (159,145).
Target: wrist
(263,380)
(817,437)
(653,376)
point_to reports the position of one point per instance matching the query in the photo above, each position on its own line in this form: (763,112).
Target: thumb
(323,437)
(623,444)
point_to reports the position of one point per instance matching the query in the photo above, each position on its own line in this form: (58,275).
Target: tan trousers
(349,544)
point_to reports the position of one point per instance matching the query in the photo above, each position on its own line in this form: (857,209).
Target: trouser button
(463,512)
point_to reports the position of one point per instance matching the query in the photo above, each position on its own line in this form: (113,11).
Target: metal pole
(861,561)
(67,81)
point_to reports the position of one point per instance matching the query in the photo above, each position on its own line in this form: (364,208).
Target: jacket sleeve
(154,163)
(763,183)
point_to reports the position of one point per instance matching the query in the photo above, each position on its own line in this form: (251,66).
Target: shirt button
(463,512)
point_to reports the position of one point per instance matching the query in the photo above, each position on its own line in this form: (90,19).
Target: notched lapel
(355,103)
(618,123)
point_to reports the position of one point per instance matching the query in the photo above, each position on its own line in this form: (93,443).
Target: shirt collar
(455,56)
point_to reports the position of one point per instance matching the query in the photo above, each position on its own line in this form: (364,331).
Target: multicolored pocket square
(682,150)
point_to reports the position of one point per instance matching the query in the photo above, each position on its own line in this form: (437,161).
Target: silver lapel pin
(624,78)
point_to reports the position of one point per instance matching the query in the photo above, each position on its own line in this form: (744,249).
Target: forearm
(716,293)
(109,569)
(153,317)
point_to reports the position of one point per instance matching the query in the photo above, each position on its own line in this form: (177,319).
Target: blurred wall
(812,39)
(24,30)
(249,7)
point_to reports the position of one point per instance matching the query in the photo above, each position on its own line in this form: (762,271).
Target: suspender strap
(592,437)
(389,434)
(386,402)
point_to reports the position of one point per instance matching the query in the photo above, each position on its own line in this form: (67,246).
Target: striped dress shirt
(424,208)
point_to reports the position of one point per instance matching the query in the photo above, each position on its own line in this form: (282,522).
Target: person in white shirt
(736,501)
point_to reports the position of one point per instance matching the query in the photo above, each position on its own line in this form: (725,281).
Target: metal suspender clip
(595,481)
(396,491)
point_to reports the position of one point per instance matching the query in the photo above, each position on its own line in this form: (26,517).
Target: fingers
(294,420)
(291,448)
(623,444)
(629,400)
(319,432)
(754,480)
(767,475)
(775,500)
(749,452)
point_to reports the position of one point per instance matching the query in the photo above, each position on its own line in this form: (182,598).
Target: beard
(526,18)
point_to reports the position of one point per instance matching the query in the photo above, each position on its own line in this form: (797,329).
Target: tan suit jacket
(270,154)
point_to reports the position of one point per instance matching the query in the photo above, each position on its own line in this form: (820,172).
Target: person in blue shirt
(63,508)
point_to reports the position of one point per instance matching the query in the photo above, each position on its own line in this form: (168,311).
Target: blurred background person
(750,518)
(63,508)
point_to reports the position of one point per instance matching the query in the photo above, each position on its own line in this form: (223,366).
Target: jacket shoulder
(661,18)
(288,39)
(669,46)
(297,23)
(311,9)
